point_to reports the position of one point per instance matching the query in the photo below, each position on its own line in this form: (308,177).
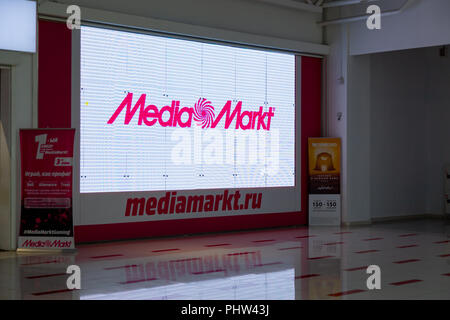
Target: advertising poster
(46,220)
(324,167)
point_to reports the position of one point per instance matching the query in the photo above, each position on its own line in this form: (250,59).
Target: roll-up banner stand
(46,220)
(324,181)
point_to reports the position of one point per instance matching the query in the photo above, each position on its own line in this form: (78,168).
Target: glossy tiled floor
(289,263)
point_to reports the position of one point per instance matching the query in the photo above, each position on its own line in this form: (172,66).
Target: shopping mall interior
(224,150)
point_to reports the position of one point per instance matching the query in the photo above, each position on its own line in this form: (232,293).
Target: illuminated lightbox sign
(160,113)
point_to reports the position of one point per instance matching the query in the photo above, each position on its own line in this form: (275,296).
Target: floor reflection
(275,285)
(290,263)
(243,273)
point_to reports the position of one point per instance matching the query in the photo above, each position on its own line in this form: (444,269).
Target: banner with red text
(46,220)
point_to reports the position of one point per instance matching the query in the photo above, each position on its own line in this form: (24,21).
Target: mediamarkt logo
(46,244)
(202,113)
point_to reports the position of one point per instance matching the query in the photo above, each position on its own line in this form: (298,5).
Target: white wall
(425,23)
(335,101)
(396,124)
(23,102)
(348,93)
(398,139)
(438,139)
(396,109)
(410,136)
(5,159)
(359,147)
(250,16)
(240,21)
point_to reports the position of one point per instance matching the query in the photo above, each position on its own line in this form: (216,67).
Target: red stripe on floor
(268,240)
(408,235)
(136,281)
(444,255)
(405,282)
(165,250)
(373,239)
(121,267)
(107,256)
(317,258)
(268,264)
(33,263)
(183,260)
(445,241)
(408,246)
(211,271)
(302,237)
(307,276)
(51,292)
(333,243)
(218,245)
(344,293)
(446,274)
(290,248)
(357,268)
(47,275)
(239,253)
(367,251)
(406,261)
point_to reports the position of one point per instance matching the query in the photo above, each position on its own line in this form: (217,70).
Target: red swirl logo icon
(204,113)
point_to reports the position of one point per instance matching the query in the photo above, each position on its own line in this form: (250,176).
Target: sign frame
(324,169)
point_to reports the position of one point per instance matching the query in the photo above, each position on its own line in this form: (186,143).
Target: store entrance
(5,157)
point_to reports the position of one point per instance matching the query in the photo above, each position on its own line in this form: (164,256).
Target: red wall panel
(311,80)
(54,75)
